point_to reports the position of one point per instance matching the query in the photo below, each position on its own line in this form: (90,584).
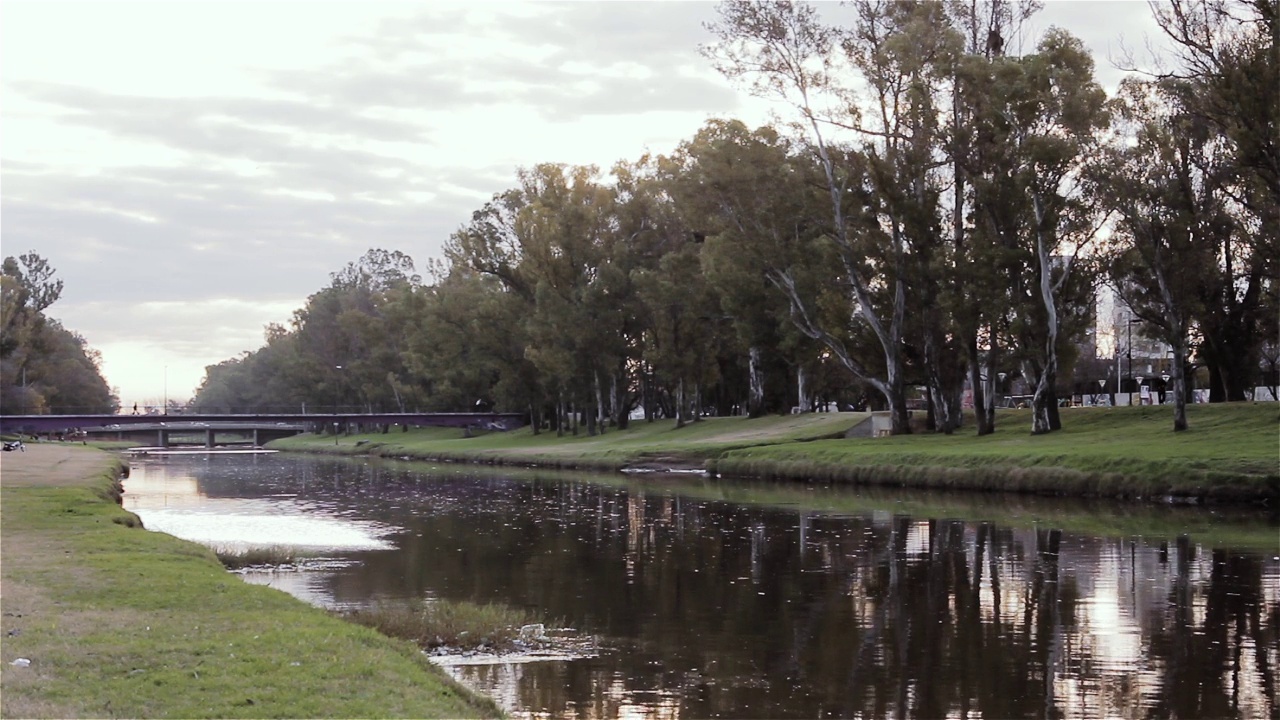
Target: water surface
(717,599)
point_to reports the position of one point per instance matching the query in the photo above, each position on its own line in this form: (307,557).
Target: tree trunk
(621,413)
(980,394)
(802,396)
(1179,387)
(601,417)
(755,374)
(680,421)
(1044,416)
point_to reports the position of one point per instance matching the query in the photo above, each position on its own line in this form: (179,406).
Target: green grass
(275,556)
(1231,453)
(119,621)
(457,625)
(657,442)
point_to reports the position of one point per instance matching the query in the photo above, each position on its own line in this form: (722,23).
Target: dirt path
(52,465)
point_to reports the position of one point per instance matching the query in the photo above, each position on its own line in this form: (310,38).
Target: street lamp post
(336,396)
(1130,350)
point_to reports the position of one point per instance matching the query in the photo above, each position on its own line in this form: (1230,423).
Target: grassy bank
(659,443)
(1230,454)
(119,621)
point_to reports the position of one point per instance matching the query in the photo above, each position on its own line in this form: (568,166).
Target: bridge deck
(55,423)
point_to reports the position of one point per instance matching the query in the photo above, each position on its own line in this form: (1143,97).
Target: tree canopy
(44,367)
(936,211)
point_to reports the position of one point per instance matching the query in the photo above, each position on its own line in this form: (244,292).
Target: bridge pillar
(162,438)
(208,438)
(257,442)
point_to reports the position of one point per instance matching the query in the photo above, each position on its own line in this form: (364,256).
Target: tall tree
(881,199)
(1040,128)
(1164,180)
(979,307)
(752,196)
(44,368)
(1228,59)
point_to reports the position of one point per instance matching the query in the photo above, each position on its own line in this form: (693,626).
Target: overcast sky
(194,170)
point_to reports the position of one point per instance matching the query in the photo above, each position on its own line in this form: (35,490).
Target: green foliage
(44,367)
(953,236)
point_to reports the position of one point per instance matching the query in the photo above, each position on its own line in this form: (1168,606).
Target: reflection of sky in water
(718,608)
(503,683)
(172,503)
(310,586)
(236,525)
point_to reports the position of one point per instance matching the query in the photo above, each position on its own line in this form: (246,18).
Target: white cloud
(194,170)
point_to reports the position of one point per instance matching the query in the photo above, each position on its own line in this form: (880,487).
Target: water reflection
(170,498)
(715,608)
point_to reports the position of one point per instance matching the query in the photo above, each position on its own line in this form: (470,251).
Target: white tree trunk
(755,401)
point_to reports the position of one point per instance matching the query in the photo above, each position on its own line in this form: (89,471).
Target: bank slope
(1231,453)
(118,621)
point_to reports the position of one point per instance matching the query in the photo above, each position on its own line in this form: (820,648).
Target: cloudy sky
(194,170)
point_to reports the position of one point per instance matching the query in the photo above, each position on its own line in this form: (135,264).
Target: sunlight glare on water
(227,528)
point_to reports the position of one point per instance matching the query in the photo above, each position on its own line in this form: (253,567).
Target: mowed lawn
(1233,438)
(659,440)
(1237,443)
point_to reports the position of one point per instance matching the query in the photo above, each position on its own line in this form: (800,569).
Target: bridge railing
(55,423)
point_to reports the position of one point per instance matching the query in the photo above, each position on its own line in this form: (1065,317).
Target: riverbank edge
(1149,482)
(78,637)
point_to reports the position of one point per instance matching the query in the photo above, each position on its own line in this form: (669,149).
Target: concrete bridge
(259,424)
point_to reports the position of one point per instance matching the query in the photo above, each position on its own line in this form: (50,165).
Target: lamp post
(335,404)
(1130,350)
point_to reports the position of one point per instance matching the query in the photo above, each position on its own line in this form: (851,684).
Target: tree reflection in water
(712,608)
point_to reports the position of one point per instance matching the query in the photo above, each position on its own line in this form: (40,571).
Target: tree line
(44,367)
(936,210)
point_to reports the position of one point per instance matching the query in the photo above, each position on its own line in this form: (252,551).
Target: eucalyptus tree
(465,334)
(683,310)
(545,241)
(883,196)
(346,348)
(1039,125)
(752,197)
(1228,66)
(44,367)
(647,225)
(975,296)
(1165,179)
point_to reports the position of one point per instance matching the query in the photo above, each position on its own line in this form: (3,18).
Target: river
(740,600)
